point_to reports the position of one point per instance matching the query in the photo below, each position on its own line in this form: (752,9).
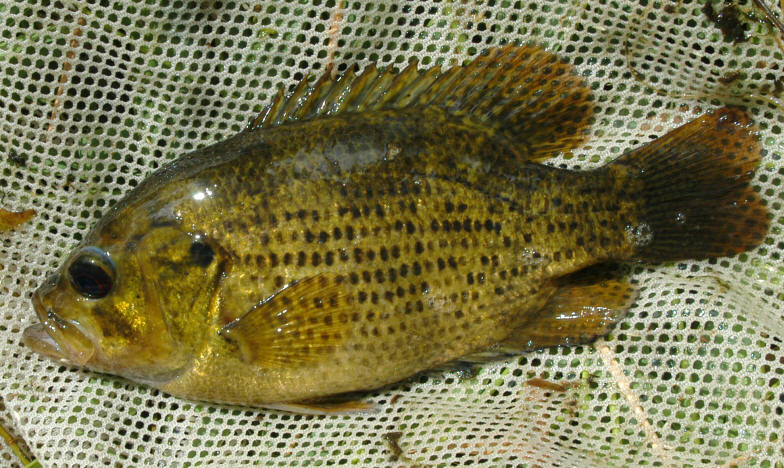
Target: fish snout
(56,337)
(48,285)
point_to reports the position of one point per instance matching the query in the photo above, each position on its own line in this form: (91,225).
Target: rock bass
(382,223)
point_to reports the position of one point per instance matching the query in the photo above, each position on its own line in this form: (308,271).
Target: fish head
(128,303)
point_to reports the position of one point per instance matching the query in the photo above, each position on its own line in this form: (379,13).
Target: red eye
(92,274)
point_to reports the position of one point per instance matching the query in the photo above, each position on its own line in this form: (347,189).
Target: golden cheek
(119,321)
(131,316)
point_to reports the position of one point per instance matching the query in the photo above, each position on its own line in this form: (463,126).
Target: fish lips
(57,338)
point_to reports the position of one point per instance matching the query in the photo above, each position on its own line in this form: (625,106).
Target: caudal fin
(696,198)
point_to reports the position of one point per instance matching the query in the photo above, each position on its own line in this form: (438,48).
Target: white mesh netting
(94,95)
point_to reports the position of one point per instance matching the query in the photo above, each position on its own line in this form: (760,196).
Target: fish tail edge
(695,194)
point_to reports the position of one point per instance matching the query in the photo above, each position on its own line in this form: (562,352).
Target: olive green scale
(380,224)
(436,258)
(425,224)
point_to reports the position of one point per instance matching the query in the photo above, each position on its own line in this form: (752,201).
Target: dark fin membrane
(579,312)
(696,200)
(525,93)
(301,323)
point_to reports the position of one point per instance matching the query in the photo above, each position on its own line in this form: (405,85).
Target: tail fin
(696,197)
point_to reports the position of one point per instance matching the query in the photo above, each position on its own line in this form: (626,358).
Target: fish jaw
(57,338)
(36,338)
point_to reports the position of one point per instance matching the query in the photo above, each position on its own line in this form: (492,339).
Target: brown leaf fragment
(549,386)
(778,87)
(13,219)
(392,440)
(731,77)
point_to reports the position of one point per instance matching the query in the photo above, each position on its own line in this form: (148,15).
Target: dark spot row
(466,225)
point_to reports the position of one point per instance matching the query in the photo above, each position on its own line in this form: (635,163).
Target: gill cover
(138,308)
(182,274)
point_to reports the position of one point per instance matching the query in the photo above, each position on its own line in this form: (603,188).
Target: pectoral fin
(575,314)
(301,323)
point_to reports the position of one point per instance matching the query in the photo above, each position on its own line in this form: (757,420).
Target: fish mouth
(57,338)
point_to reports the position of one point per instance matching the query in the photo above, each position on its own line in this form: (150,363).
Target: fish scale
(381,224)
(458,292)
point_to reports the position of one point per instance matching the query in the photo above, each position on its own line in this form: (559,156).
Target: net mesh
(94,95)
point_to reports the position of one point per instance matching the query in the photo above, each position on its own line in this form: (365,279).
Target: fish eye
(201,253)
(92,273)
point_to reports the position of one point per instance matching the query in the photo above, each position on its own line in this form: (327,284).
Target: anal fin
(577,313)
(324,408)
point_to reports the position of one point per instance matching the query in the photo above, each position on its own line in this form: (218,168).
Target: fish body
(332,249)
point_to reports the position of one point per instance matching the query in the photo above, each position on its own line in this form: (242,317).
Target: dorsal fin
(520,91)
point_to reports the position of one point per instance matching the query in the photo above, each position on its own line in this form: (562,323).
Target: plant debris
(392,439)
(728,21)
(13,219)
(770,17)
(731,77)
(17,448)
(550,386)
(16,159)
(778,86)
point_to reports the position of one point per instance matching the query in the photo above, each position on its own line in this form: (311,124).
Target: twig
(73,44)
(773,19)
(769,15)
(634,401)
(334,33)
(778,41)
(11,442)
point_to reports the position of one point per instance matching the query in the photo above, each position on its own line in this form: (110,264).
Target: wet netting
(96,94)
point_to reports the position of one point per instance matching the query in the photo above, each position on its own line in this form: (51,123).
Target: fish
(382,223)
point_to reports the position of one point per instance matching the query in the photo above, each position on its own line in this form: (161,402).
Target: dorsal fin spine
(520,92)
(360,88)
(295,100)
(345,91)
(440,87)
(432,77)
(399,84)
(378,91)
(332,100)
(272,111)
(315,100)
